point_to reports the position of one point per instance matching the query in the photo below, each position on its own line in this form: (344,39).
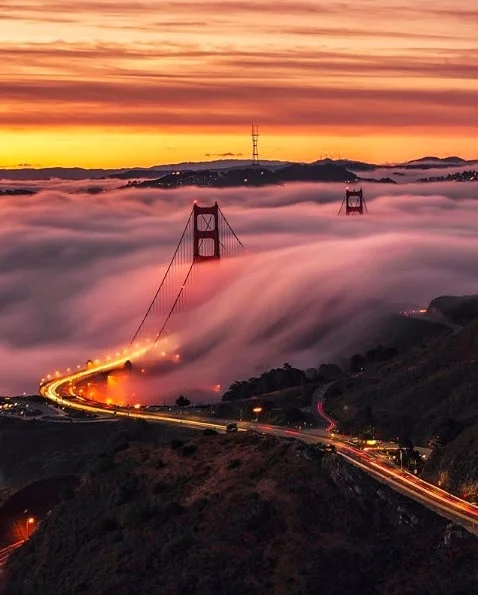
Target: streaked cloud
(212,66)
(78,271)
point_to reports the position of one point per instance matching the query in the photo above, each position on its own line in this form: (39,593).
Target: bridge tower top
(206,241)
(354,203)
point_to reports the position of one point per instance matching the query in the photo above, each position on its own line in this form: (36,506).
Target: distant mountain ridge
(251,176)
(453,160)
(130,173)
(218,165)
(61,173)
(348,164)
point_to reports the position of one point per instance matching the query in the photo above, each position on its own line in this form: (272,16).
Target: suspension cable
(163,280)
(175,302)
(230,228)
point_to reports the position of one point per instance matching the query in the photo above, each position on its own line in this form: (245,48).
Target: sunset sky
(121,83)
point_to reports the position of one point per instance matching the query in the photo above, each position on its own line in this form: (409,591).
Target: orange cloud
(381,68)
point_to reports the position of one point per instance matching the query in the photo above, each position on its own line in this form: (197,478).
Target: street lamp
(29,522)
(257,410)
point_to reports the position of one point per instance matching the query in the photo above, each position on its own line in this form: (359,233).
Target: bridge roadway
(444,503)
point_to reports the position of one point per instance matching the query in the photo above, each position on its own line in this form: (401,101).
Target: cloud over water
(77,272)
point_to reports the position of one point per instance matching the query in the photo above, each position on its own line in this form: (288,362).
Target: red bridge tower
(206,243)
(354,203)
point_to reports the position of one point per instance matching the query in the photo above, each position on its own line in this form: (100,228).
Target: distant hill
(329,172)
(437,163)
(355,166)
(61,173)
(238,514)
(219,165)
(437,160)
(251,176)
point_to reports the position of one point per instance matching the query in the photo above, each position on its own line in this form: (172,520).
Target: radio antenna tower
(255,140)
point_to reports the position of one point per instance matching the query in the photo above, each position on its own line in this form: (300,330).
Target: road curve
(451,507)
(318,405)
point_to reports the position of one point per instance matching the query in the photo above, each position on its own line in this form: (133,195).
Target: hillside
(454,466)
(239,514)
(283,390)
(414,394)
(460,310)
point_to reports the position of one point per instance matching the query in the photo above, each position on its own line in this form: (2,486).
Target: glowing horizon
(108,83)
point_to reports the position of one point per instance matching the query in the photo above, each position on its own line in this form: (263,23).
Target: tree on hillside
(181,401)
(444,430)
(405,444)
(295,415)
(330,372)
(357,363)
(368,423)
(268,382)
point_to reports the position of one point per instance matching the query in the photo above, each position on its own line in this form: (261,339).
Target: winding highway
(61,391)
(318,405)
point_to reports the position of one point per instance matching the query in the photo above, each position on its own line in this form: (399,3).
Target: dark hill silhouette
(456,309)
(355,166)
(315,173)
(251,176)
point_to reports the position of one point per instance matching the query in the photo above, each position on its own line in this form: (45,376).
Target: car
(326,448)
(231,428)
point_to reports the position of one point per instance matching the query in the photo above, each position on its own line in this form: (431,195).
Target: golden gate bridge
(207,236)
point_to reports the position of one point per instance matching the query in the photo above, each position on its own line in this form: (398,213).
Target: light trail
(329,420)
(439,500)
(448,505)
(7,551)
(52,390)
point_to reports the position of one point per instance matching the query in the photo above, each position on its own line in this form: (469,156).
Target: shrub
(109,524)
(210,432)
(159,487)
(175,444)
(189,449)
(127,488)
(135,514)
(121,446)
(102,465)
